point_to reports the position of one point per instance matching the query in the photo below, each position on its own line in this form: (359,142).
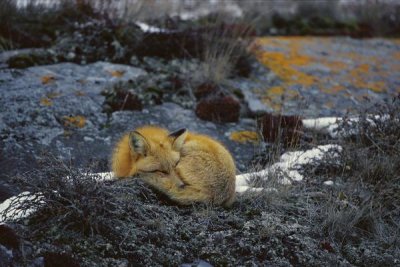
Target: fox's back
(207,163)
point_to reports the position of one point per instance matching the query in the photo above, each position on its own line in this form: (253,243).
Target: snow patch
(289,165)
(9,208)
(231,9)
(328,183)
(150,29)
(330,125)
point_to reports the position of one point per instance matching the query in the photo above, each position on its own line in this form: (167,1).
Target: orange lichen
(358,78)
(79,93)
(117,73)
(47,79)
(335,89)
(244,137)
(44,101)
(74,121)
(284,66)
(291,58)
(276,90)
(334,66)
(53,95)
(396,56)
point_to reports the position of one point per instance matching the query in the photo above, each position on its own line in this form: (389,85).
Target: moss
(28,60)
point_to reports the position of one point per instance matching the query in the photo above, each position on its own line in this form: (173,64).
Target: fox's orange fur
(187,167)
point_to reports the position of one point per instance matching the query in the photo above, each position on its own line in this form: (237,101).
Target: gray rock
(57,109)
(38,262)
(6,257)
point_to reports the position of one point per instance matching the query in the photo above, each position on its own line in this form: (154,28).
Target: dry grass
(223,50)
(365,200)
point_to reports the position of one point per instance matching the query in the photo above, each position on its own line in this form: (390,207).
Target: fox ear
(138,143)
(178,138)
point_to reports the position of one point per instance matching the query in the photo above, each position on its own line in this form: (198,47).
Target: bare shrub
(74,199)
(367,202)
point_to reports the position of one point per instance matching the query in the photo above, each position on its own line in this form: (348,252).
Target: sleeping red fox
(187,167)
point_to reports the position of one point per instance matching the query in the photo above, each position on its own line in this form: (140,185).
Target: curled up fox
(186,166)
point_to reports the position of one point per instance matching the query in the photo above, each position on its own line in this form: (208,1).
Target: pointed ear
(138,143)
(178,138)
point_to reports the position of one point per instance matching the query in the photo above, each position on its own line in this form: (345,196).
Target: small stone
(6,256)
(59,259)
(38,262)
(204,90)
(197,263)
(88,139)
(8,237)
(218,109)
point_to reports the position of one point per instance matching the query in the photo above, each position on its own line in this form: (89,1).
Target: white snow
(148,28)
(328,183)
(329,125)
(202,11)
(9,211)
(104,176)
(289,164)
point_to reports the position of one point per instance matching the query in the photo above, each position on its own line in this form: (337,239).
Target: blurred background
(363,18)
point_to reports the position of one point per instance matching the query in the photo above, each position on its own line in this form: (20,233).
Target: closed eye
(176,164)
(157,171)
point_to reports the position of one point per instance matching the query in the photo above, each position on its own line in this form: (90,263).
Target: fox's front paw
(160,181)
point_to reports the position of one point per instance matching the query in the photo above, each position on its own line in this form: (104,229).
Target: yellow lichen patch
(274,103)
(244,137)
(53,95)
(79,93)
(396,55)
(74,121)
(286,64)
(289,93)
(276,90)
(44,101)
(332,89)
(47,79)
(358,78)
(323,64)
(117,73)
(335,66)
(284,67)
